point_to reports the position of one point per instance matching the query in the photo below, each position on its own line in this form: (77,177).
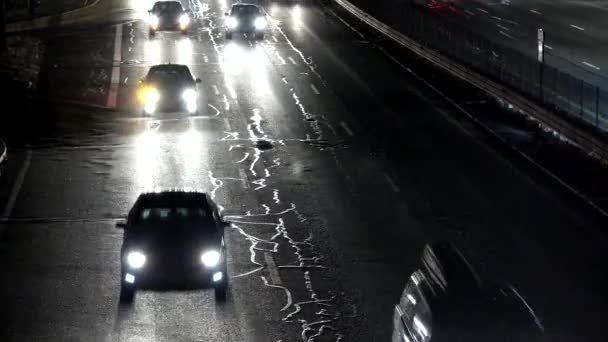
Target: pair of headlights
(259,23)
(138,259)
(150,97)
(183,21)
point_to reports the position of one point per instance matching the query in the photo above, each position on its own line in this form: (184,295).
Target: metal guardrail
(586,141)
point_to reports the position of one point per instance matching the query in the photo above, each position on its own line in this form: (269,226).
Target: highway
(334,162)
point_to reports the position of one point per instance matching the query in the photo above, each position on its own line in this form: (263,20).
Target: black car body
(168,16)
(173,239)
(446,300)
(246,18)
(169,88)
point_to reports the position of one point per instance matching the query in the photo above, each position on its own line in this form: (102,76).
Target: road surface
(334,164)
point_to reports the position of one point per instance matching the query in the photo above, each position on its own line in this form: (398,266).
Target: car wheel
(220,291)
(127,294)
(229,35)
(152,33)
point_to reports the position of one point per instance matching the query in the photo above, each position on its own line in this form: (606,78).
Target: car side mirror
(198,80)
(121,225)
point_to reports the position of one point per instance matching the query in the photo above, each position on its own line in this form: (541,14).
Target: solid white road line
(314,89)
(272,269)
(548,47)
(346,128)
(577,27)
(392,184)
(12,198)
(115,79)
(591,65)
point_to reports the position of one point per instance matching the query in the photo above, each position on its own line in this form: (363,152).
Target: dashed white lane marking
(535,12)
(16,189)
(243,176)
(577,27)
(205,59)
(115,78)
(281,59)
(591,65)
(314,89)
(502,27)
(346,128)
(126,79)
(293,61)
(548,47)
(215,90)
(272,269)
(391,183)
(227,123)
(469,12)
(275,39)
(506,35)
(482,10)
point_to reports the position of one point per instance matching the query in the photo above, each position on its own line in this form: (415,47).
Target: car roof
(173,3)
(245,4)
(169,67)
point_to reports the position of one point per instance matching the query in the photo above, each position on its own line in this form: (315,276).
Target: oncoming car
(447,300)
(168,16)
(169,88)
(246,18)
(173,237)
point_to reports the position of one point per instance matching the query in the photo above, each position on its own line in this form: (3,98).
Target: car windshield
(167,7)
(248,10)
(155,215)
(176,74)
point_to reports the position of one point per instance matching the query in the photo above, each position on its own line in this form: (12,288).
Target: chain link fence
(576,99)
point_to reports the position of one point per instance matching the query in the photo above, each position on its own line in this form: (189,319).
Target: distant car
(246,18)
(173,237)
(169,88)
(446,300)
(168,16)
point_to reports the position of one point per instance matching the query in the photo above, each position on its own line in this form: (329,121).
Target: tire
(127,294)
(152,34)
(220,292)
(229,35)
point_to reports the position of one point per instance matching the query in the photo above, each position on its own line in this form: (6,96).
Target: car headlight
(149,96)
(231,22)
(189,95)
(210,258)
(260,23)
(184,20)
(136,259)
(153,20)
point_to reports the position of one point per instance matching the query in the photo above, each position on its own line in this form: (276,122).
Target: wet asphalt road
(334,164)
